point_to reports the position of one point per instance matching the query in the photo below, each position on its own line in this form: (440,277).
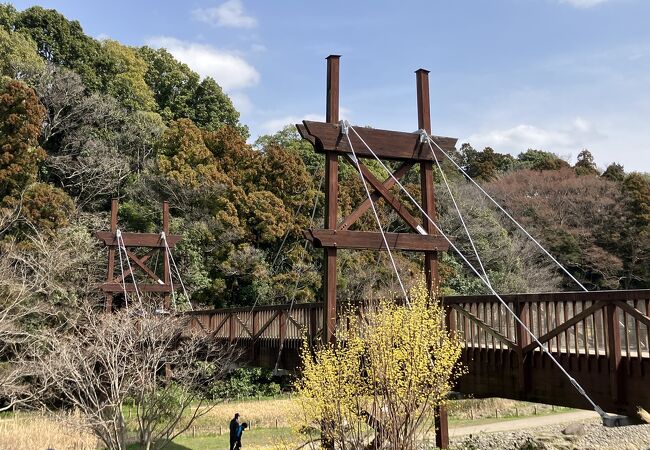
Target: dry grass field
(271,419)
(39,432)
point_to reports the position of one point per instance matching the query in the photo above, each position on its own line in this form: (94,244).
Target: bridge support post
(166,269)
(614,350)
(331,198)
(108,304)
(523,339)
(429,206)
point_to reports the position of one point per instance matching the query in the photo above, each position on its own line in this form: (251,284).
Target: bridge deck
(601,338)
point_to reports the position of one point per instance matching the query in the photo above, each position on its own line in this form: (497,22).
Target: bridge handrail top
(608,295)
(239,309)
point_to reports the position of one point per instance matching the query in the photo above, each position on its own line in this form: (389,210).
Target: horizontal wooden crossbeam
(130,287)
(391,145)
(137,239)
(368,240)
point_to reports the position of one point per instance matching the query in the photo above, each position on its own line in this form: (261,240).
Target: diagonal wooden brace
(402,170)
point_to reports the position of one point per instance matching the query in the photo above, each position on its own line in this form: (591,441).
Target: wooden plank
(302,130)
(137,239)
(243,325)
(594,296)
(488,329)
(565,326)
(363,207)
(267,324)
(399,208)
(373,240)
(127,272)
(391,145)
(140,263)
(638,315)
(221,324)
(130,287)
(614,351)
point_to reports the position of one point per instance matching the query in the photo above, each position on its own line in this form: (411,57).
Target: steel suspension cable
(460,215)
(119,252)
(508,215)
(178,273)
(543,347)
(344,129)
(120,242)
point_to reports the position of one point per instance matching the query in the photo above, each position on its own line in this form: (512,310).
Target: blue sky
(559,75)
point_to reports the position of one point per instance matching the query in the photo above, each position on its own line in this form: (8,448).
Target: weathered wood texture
(117,283)
(370,240)
(600,338)
(390,145)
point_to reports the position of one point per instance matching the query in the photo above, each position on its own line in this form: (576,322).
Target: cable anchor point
(424,137)
(345,127)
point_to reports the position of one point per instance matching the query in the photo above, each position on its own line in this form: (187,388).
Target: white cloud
(583,3)
(228,14)
(568,139)
(228,69)
(273,125)
(242,102)
(278,123)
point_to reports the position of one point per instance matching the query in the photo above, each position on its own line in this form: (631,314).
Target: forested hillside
(84,120)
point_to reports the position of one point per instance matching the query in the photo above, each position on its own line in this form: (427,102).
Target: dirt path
(520,424)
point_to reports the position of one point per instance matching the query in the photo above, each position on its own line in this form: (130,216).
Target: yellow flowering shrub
(379,384)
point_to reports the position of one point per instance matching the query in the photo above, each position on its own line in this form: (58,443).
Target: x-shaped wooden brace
(381,190)
(141,263)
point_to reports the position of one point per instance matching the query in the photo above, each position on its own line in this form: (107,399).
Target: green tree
(637,188)
(484,165)
(172,82)
(180,93)
(211,109)
(614,172)
(62,41)
(541,160)
(21,116)
(8,15)
(18,56)
(585,164)
(123,74)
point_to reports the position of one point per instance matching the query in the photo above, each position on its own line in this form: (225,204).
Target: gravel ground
(590,435)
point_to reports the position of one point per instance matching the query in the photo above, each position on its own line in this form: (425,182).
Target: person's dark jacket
(234,426)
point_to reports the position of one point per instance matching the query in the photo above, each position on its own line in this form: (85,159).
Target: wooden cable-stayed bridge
(577,349)
(601,338)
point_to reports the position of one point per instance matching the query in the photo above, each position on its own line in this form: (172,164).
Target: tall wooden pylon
(128,242)
(406,148)
(429,206)
(331,202)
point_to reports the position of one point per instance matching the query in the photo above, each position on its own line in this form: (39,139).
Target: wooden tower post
(331,202)
(407,149)
(429,205)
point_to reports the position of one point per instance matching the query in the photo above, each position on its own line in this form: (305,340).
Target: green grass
(252,439)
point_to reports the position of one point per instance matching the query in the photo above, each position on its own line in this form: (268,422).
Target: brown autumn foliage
(579,217)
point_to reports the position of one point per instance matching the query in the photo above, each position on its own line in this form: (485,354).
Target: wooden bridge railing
(567,322)
(601,338)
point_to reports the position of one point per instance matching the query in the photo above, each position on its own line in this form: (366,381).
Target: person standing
(240,431)
(234,429)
